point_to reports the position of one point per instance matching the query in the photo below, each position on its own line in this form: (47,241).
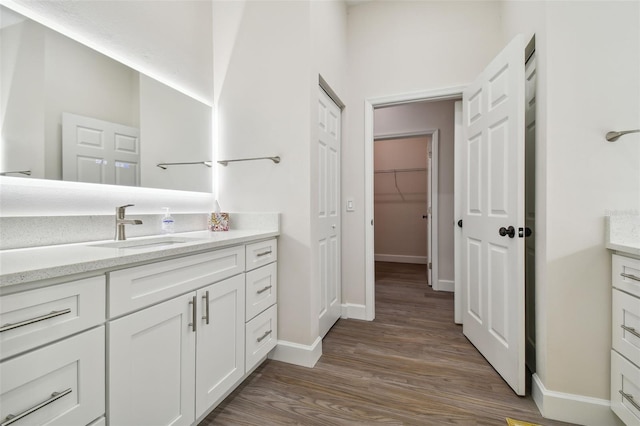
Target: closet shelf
(401,170)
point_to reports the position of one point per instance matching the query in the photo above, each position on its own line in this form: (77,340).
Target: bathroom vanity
(624,241)
(153,330)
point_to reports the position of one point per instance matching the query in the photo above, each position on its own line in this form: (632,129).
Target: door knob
(524,232)
(424,216)
(510,231)
(460,223)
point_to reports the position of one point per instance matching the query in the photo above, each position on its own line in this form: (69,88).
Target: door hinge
(429,265)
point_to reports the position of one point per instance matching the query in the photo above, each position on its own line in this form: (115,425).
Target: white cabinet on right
(625,355)
(261,301)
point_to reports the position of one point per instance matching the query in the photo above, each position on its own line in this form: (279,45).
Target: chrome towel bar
(21,172)
(275,159)
(163,166)
(613,136)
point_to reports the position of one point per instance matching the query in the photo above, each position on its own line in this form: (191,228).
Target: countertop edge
(110,261)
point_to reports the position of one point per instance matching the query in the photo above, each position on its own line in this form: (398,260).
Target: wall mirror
(72,113)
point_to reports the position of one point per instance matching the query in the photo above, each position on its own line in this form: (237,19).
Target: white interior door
(328,214)
(429,217)
(530,210)
(98,151)
(457,213)
(493,212)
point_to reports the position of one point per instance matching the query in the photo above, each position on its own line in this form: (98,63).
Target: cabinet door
(220,353)
(152,365)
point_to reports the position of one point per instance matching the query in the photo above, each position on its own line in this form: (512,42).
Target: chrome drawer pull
(628,397)
(264,253)
(264,289)
(15,417)
(206,306)
(630,330)
(264,336)
(630,276)
(52,314)
(194,313)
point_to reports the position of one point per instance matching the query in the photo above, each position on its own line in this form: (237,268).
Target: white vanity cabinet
(625,353)
(171,362)
(149,338)
(164,370)
(52,346)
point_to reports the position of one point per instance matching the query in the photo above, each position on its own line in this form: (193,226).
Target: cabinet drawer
(261,336)
(626,274)
(33,318)
(626,325)
(261,289)
(70,375)
(625,389)
(261,253)
(134,288)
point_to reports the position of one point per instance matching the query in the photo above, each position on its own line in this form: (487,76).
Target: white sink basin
(146,243)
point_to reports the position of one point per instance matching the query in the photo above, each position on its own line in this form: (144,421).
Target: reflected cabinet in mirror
(71,113)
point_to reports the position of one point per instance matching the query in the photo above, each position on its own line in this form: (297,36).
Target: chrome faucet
(121,222)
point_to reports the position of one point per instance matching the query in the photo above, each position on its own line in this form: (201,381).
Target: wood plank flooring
(410,366)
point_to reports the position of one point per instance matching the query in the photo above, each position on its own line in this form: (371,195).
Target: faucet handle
(120,210)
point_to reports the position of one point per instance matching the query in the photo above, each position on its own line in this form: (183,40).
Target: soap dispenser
(168,224)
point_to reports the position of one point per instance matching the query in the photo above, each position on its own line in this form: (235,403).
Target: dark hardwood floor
(410,366)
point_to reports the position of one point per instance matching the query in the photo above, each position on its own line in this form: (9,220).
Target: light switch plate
(350,207)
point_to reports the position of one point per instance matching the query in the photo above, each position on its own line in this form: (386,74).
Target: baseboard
(350,310)
(295,353)
(446,285)
(577,409)
(400,259)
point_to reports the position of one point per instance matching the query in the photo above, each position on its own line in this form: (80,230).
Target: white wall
(168,40)
(21,91)
(271,53)
(82,81)
(588,67)
(417,117)
(396,48)
(175,129)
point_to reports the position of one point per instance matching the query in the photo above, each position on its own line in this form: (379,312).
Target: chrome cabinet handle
(626,396)
(194,313)
(11,418)
(206,306)
(630,330)
(264,253)
(264,336)
(630,276)
(264,289)
(52,314)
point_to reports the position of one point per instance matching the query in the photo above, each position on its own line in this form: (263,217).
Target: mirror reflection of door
(98,151)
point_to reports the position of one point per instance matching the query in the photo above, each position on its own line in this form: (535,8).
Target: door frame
(432,255)
(442,94)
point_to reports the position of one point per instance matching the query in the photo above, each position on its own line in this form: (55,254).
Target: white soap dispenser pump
(168,224)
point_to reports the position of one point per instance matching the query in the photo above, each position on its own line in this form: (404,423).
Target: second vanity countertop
(19,266)
(623,234)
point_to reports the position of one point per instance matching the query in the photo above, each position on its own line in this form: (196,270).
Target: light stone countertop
(20,266)
(623,234)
